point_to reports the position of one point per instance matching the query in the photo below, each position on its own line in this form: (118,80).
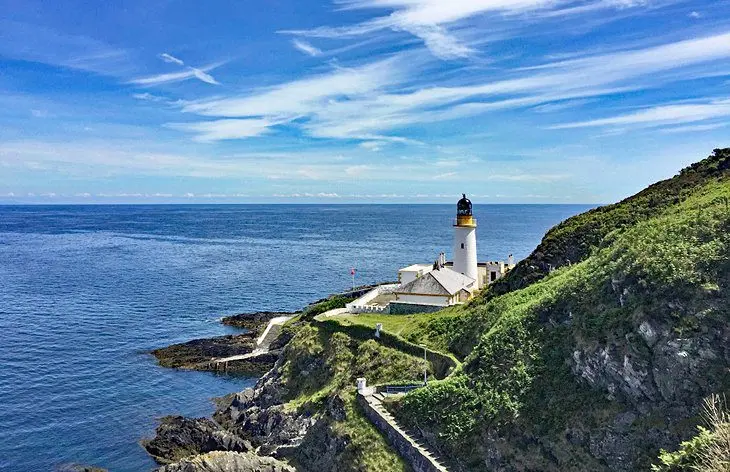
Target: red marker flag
(352,271)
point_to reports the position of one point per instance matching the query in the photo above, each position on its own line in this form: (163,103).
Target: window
(462,245)
(492,276)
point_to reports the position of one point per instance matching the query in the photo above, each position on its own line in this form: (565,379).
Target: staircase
(409,444)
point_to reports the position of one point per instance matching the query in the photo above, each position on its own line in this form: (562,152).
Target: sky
(339,101)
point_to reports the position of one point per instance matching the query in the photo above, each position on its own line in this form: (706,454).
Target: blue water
(87,291)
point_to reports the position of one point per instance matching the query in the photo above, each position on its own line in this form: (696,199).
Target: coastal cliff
(602,356)
(594,353)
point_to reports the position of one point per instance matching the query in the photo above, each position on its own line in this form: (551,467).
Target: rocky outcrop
(259,415)
(179,437)
(255,322)
(227,462)
(660,377)
(79,468)
(197,354)
(655,367)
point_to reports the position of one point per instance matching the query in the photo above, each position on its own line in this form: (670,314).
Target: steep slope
(598,349)
(574,239)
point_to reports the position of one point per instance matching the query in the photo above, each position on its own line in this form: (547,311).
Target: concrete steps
(430,459)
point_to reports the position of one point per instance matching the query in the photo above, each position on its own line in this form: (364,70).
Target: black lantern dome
(463,207)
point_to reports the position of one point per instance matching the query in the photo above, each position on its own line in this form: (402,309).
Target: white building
(429,287)
(440,286)
(412,272)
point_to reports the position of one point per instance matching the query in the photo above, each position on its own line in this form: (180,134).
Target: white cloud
(660,115)
(226,129)
(429,19)
(204,77)
(306,48)
(693,128)
(148,97)
(171,59)
(301,96)
(164,78)
(39,113)
(695,15)
(374,146)
(358,170)
(186,74)
(373,101)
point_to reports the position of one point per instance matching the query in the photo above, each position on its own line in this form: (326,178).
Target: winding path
(262,343)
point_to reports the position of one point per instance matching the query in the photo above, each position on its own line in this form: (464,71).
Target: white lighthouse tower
(465,240)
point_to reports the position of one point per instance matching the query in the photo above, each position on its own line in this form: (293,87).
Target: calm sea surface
(87,291)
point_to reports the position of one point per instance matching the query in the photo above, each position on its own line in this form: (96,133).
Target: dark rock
(321,448)
(255,322)
(178,437)
(197,353)
(227,462)
(79,468)
(336,408)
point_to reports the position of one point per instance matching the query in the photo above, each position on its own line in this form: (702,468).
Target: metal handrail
(401,388)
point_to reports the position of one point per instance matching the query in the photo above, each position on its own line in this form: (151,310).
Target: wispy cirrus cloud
(374,101)
(171,59)
(218,130)
(186,74)
(35,43)
(433,21)
(660,115)
(306,48)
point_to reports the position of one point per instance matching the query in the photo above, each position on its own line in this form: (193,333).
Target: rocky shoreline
(248,427)
(197,354)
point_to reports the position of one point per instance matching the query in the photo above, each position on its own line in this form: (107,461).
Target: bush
(709,451)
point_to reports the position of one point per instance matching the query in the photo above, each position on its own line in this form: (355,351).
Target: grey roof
(443,281)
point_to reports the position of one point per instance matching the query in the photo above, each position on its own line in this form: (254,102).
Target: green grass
(658,256)
(662,255)
(319,365)
(328,304)
(420,328)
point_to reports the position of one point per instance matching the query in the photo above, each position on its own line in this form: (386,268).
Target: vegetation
(321,365)
(336,301)
(576,238)
(709,451)
(660,256)
(427,329)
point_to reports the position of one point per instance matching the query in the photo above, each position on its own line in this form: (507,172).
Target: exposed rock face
(258,415)
(662,376)
(179,437)
(656,366)
(227,462)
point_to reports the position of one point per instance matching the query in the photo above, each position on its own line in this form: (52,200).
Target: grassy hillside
(316,378)
(597,350)
(576,238)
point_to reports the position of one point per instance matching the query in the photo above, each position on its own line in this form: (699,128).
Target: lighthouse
(465,240)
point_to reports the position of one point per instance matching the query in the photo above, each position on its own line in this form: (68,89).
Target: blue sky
(510,101)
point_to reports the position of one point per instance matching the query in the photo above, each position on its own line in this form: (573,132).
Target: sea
(87,291)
